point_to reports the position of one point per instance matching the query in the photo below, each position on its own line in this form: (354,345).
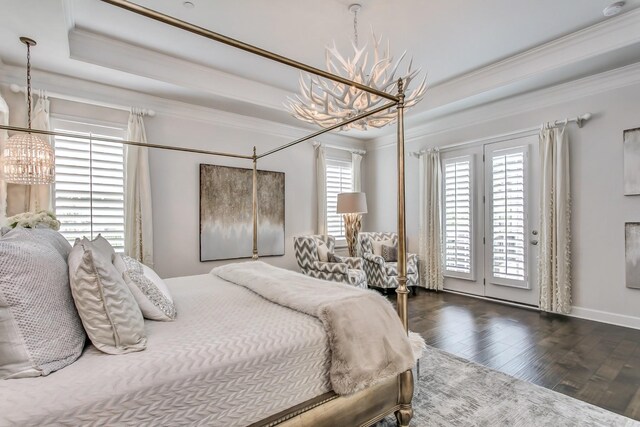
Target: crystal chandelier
(328,103)
(26,158)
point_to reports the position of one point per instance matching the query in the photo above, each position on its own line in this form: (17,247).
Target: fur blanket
(367,341)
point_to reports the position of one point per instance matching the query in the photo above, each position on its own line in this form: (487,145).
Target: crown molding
(588,86)
(588,43)
(163,107)
(105,51)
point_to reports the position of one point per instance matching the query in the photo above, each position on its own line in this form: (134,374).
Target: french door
(490,206)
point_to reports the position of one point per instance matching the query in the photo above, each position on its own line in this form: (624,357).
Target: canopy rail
(330,128)
(186,26)
(124,142)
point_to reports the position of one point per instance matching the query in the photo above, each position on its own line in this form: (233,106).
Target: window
(339,180)
(89,184)
(458,252)
(508,215)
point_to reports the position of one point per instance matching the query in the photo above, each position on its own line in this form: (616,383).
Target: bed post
(405,413)
(254,204)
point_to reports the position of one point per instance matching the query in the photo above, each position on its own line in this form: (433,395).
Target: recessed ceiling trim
(98,49)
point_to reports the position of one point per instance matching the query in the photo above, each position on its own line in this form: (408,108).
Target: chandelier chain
(355,26)
(29,84)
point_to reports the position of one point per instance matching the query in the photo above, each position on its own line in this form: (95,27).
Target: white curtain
(4,120)
(430,244)
(321,184)
(138,222)
(554,263)
(356,170)
(38,197)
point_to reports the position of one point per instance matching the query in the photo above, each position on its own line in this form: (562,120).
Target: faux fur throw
(367,341)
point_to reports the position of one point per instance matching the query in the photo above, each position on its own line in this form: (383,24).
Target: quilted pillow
(40,331)
(389,253)
(109,312)
(43,234)
(149,290)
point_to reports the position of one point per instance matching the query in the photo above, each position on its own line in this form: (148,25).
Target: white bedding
(231,358)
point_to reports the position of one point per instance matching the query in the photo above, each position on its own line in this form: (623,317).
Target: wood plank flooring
(591,361)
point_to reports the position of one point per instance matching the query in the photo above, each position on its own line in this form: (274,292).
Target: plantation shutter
(508,215)
(339,180)
(89,184)
(458,216)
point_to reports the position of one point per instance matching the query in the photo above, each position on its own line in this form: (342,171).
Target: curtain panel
(356,170)
(4,120)
(430,244)
(554,262)
(138,220)
(321,189)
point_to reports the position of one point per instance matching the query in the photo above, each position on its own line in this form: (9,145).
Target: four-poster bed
(372,404)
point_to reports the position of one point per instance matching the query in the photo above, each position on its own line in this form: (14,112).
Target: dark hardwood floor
(591,361)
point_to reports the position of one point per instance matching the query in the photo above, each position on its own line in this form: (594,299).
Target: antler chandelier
(328,103)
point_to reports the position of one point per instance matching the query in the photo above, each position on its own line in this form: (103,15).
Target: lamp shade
(352,203)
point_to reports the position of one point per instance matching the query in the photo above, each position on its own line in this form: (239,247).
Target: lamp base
(352,225)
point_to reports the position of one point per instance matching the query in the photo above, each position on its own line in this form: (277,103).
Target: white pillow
(378,244)
(108,310)
(148,289)
(323,251)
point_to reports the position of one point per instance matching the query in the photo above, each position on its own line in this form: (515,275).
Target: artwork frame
(631,161)
(632,254)
(226,213)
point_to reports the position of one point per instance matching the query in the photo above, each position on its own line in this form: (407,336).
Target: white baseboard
(606,317)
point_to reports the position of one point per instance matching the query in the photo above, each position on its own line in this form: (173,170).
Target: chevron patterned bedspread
(231,358)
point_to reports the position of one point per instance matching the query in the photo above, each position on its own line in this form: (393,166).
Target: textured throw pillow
(390,253)
(323,251)
(108,310)
(377,245)
(149,290)
(40,330)
(43,234)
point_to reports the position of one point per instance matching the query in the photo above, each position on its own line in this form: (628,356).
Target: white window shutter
(339,180)
(458,220)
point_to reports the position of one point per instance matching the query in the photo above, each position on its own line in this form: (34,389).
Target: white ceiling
(447,38)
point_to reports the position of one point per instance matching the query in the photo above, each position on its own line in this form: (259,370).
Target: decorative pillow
(390,253)
(40,331)
(377,245)
(149,290)
(42,234)
(102,245)
(333,258)
(108,310)
(323,251)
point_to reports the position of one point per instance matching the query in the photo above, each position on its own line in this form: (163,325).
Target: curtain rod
(338,147)
(124,142)
(579,120)
(144,111)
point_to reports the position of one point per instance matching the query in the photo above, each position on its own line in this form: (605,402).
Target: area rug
(452,391)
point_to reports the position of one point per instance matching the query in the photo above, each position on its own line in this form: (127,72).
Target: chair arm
(376,259)
(352,262)
(329,267)
(412,261)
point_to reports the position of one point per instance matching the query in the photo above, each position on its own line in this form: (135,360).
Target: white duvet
(231,358)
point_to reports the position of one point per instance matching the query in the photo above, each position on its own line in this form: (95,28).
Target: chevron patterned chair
(347,270)
(380,273)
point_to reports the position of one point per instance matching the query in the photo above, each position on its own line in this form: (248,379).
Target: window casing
(339,180)
(89,185)
(458,230)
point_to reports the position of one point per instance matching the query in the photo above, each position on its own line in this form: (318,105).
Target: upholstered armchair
(380,273)
(345,270)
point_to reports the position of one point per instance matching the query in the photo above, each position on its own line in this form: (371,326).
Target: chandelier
(329,103)
(26,158)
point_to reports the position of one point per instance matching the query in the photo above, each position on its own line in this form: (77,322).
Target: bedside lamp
(352,206)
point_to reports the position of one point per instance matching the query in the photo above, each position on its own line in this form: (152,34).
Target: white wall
(599,207)
(175,178)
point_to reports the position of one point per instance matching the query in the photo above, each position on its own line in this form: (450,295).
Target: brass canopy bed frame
(368,406)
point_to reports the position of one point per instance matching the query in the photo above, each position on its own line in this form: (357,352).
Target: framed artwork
(226,218)
(631,142)
(632,254)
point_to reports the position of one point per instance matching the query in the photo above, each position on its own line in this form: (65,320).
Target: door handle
(533,242)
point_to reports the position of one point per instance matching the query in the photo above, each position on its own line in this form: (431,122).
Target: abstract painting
(632,254)
(226,219)
(631,141)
